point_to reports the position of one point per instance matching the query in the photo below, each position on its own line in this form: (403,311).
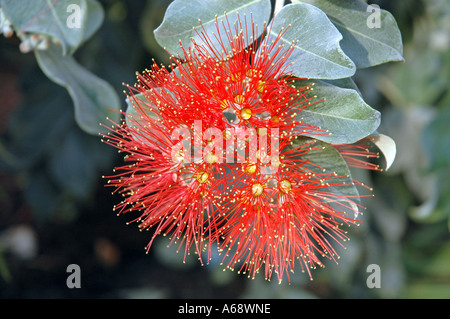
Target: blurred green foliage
(51,172)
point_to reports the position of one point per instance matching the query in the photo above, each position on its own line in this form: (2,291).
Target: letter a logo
(374,279)
(74,279)
(74,19)
(374,19)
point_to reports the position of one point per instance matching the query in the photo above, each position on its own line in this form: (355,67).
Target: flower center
(179,156)
(261,86)
(246,113)
(257,189)
(211,158)
(202,177)
(251,168)
(285,186)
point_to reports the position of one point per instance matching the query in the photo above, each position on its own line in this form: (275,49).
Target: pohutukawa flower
(359,154)
(213,153)
(275,219)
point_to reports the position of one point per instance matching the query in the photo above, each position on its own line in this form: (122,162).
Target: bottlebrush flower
(273,220)
(359,154)
(195,173)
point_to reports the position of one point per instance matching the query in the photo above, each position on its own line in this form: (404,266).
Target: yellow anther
(239,99)
(202,177)
(246,113)
(261,86)
(285,186)
(224,103)
(251,168)
(275,119)
(179,156)
(236,77)
(257,189)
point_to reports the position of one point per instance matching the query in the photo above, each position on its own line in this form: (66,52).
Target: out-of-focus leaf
(72,167)
(389,218)
(438,265)
(70,22)
(41,195)
(436,139)
(94,98)
(427,251)
(371,35)
(420,81)
(316,53)
(37,123)
(436,289)
(182,17)
(150,19)
(4,270)
(341,273)
(342,112)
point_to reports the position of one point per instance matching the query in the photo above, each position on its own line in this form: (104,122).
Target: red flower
(196,175)
(273,220)
(175,197)
(359,154)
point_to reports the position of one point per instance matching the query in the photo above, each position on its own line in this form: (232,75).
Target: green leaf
(341,112)
(41,195)
(317,53)
(436,139)
(69,22)
(345,83)
(371,35)
(387,147)
(330,161)
(134,102)
(72,167)
(94,99)
(36,123)
(135,118)
(183,16)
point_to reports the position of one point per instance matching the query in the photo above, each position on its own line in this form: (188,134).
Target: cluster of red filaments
(215,155)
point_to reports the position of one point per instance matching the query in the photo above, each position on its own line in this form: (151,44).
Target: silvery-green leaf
(139,117)
(70,22)
(133,102)
(341,112)
(183,16)
(371,35)
(72,166)
(345,83)
(94,99)
(324,158)
(387,147)
(317,53)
